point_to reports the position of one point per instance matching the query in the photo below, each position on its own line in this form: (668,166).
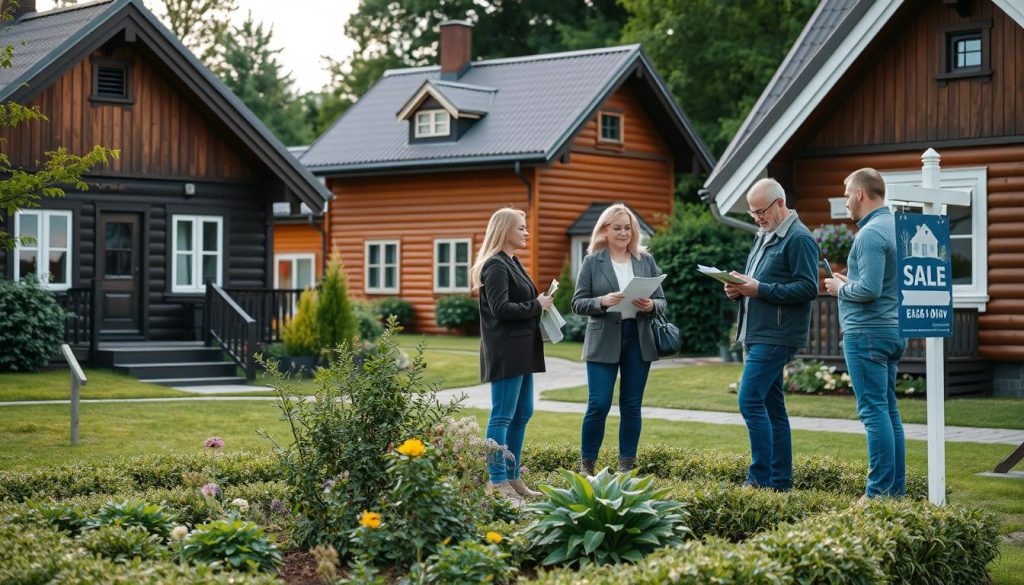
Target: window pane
(373,278)
(461,277)
(58,266)
(963,262)
(28,225)
(210,240)
(972,59)
(118,263)
(183,267)
(462,252)
(284,274)
(303,273)
(58,231)
(119,236)
(27,262)
(972,45)
(389,278)
(374,255)
(444,253)
(209,268)
(184,231)
(959,220)
(442,277)
(390,254)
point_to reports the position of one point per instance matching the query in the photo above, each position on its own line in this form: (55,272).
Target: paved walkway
(562,373)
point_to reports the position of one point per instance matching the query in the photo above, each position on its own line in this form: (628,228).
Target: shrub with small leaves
(468,563)
(236,543)
(31,326)
(457,312)
(814,377)
(154,518)
(575,327)
(611,518)
(401,309)
(123,543)
(369,322)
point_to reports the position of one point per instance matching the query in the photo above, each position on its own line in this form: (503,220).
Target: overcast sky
(303,29)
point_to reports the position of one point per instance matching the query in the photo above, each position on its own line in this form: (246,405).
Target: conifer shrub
(562,298)
(335,314)
(31,326)
(301,335)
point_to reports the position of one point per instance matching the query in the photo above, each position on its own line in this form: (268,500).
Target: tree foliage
(335,316)
(717,57)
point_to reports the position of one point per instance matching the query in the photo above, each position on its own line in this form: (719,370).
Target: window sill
(985,74)
(970,301)
(381,291)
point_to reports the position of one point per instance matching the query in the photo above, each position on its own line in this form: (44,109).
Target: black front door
(120,266)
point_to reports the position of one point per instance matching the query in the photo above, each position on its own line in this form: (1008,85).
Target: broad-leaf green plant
(238,544)
(124,543)
(153,517)
(610,518)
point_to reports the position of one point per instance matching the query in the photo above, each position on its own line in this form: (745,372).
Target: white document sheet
(640,287)
(719,275)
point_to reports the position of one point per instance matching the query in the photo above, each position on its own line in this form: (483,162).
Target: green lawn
(705,388)
(570,350)
(37,435)
(56,385)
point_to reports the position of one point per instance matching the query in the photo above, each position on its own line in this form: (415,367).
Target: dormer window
(111,81)
(433,123)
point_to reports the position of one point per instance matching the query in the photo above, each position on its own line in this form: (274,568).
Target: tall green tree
(716,56)
(199,24)
(335,314)
(248,65)
(23,188)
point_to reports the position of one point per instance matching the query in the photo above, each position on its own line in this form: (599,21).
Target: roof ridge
(522,59)
(62,10)
(457,85)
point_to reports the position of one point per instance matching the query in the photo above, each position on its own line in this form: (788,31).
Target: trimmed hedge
(894,541)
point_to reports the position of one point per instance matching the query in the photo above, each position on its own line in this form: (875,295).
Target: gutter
(732,222)
(517,167)
(319,226)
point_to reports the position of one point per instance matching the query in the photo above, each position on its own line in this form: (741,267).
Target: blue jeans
(872,359)
(511,409)
(763,406)
(601,383)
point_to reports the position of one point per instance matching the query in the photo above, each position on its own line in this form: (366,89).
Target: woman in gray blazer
(619,339)
(511,349)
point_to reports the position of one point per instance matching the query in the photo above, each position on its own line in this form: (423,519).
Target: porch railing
(77,302)
(271,308)
(231,326)
(966,370)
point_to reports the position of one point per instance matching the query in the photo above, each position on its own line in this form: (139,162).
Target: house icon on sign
(924,244)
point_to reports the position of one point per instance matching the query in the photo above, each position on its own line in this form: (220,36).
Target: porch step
(218,381)
(162,370)
(163,355)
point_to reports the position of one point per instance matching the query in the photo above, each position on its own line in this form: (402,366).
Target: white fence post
(77,381)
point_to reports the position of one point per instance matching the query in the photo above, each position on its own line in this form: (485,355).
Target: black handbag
(666,336)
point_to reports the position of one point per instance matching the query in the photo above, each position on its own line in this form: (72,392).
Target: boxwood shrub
(31,326)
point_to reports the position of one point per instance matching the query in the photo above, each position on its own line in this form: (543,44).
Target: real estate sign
(925,275)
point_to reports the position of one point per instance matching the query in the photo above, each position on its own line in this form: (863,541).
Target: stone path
(562,373)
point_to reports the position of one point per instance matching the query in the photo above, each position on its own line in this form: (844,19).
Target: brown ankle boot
(523,490)
(587,467)
(503,489)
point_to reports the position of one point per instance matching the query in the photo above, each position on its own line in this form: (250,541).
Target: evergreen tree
(562,298)
(335,316)
(301,336)
(24,188)
(248,65)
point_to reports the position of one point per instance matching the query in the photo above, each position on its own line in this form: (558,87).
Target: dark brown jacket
(510,341)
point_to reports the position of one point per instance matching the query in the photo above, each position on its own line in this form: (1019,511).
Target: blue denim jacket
(869,301)
(787,270)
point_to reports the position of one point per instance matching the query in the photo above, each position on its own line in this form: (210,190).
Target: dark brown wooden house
(876,83)
(188,201)
(420,163)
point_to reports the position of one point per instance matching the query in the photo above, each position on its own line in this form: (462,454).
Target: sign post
(926,300)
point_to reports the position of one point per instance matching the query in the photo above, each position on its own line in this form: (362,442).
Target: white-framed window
(451,264)
(609,127)
(968,229)
(294,271)
(431,123)
(382,266)
(48,257)
(197,242)
(579,252)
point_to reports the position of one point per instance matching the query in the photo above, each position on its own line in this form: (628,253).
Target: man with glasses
(779,283)
(869,318)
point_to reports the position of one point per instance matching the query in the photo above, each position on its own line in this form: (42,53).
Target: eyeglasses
(761,212)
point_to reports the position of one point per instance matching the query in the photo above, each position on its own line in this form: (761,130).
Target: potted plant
(834,242)
(300,337)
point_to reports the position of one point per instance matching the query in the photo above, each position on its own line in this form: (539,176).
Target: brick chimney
(23,7)
(456,48)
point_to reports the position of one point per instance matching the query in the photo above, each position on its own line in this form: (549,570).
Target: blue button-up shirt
(869,302)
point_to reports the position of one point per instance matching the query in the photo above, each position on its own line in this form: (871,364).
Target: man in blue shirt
(868,315)
(779,283)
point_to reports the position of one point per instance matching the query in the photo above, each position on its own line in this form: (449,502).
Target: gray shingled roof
(829,24)
(36,35)
(584,224)
(467,98)
(537,104)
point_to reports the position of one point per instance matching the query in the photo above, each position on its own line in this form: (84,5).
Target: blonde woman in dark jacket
(616,342)
(511,348)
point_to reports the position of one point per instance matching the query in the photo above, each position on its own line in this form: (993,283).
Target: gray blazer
(603,340)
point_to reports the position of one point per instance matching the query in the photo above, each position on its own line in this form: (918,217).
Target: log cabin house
(421,161)
(876,83)
(189,200)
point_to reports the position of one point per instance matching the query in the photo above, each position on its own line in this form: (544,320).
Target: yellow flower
(493,537)
(369,519)
(412,448)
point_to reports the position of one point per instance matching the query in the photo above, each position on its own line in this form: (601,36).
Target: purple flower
(210,490)
(214,443)
(276,505)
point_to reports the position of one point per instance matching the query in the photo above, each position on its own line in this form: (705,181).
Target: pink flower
(210,490)
(214,443)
